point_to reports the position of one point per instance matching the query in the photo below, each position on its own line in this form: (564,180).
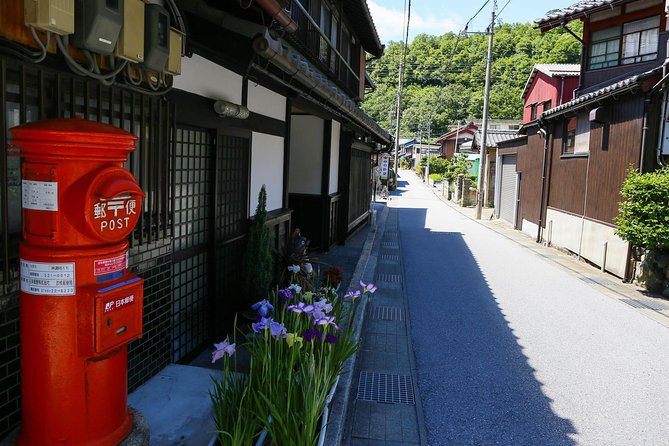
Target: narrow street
(512,350)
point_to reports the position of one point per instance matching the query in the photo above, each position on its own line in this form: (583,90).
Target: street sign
(385,165)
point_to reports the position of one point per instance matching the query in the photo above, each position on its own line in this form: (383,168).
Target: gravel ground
(511,350)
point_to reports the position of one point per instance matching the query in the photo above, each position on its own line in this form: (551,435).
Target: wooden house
(264,92)
(576,155)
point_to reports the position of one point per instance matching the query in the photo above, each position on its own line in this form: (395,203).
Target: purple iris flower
(277,330)
(263,307)
(368,288)
(326,320)
(352,295)
(222,349)
(286,294)
(312,333)
(317,314)
(263,324)
(323,305)
(330,338)
(301,307)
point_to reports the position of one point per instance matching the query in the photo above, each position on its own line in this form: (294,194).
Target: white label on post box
(39,195)
(111,265)
(47,279)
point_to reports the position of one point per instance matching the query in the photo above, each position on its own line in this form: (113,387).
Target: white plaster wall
(306,154)
(267,169)
(265,102)
(205,78)
(566,233)
(529,228)
(334,157)
(594,236)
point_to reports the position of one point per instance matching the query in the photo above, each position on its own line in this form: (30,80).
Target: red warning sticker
(111,265)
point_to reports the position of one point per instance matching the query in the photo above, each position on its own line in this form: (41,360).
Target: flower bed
(298,345)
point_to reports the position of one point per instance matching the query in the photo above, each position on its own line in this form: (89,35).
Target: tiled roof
(553,69)
(496,136)
(554,18)
(358,13)
(559,69)
(616,87)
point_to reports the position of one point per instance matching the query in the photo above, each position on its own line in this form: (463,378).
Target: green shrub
(643,218)
(419,170)
(436,177)
(257,264)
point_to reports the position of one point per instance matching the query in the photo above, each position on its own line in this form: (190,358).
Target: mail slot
(118,314)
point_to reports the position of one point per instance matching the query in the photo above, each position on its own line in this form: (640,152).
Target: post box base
(120,437)
(139,436)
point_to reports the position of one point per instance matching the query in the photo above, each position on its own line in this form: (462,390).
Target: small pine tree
(257,264)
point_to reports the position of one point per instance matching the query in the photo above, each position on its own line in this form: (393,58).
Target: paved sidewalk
(383,407)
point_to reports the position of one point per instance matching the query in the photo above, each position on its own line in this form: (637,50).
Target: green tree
(643,218)
(445,75)
(257,263)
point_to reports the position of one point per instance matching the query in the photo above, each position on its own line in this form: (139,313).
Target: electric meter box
(130,44)
(174,60)
(56,16)
(97,24)
(156,37)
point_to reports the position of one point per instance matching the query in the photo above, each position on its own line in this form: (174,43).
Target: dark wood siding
(529,164)
(608,168)
(566,178)
(604,169)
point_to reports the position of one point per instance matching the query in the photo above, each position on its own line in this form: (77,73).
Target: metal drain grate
(391,245)
(390,258)
(384,388)
(597,281)
(389,278)
(657,306)
(388,313)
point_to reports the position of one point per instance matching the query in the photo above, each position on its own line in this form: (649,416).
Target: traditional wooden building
(261,94)
(576,156)
(548,86)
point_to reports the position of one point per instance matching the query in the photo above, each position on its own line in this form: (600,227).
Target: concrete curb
(364,271)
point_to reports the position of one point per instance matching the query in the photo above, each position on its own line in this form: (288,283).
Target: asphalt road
(512,350)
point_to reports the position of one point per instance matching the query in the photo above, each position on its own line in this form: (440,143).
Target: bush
(419,170)
(436,177)
(643,218)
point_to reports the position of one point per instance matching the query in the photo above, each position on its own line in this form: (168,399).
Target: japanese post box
(79,304)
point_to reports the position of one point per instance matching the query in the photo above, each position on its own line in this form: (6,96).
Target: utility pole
(482,183)
(397,121)
(427,167)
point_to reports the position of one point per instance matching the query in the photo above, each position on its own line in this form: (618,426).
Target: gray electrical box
(156,37)
(97,24)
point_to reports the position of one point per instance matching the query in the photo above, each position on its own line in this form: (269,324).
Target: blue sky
(437,17)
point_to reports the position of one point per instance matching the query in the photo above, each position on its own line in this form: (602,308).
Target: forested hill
(445,75)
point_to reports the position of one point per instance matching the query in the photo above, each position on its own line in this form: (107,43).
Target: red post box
(79,304)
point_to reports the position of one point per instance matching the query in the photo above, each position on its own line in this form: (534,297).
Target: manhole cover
(388,313)
(384,388)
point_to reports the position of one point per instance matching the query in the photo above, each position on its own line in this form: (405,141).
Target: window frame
(619,39)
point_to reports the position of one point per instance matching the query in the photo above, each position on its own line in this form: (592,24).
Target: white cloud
(389,23)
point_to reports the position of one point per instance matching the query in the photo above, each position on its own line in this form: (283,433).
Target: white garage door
(507,201)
